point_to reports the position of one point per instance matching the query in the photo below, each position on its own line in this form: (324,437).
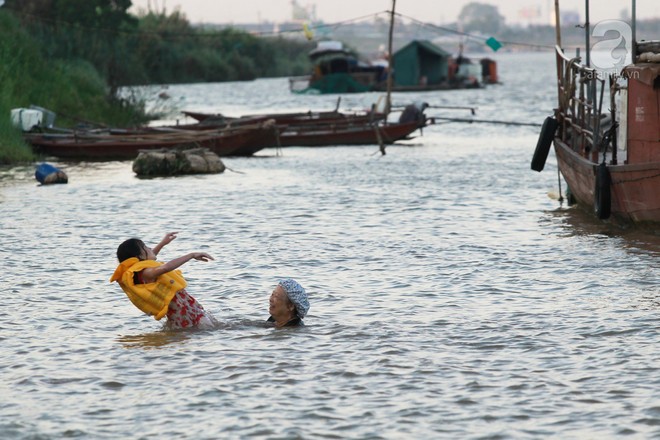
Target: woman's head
(132,248)
(280,307)
(290,298)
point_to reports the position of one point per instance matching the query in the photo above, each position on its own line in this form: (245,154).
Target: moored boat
(293,118)
(610,161)
(338,70)
(418,66)
(323,129)
(354,130)
(363,134)
(225,142)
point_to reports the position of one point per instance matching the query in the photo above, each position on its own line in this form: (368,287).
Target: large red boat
(610,160)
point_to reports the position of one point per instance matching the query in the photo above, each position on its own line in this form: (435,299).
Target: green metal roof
(426,45)
(420,62)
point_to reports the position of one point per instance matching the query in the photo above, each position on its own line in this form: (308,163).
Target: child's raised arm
(150,274)
(169,237)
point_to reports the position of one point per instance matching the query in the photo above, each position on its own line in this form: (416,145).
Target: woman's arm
(169,237)
(150,274)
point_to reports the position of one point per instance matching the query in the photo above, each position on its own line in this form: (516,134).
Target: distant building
(569,18)
(530,14)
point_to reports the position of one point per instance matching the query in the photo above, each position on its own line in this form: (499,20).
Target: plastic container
(47,174)
(25,118)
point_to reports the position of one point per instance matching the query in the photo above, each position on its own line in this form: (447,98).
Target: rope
(206,34)
(381,145)
(234,171)
(561,198)
(278,143)
(607,138)
(472,36)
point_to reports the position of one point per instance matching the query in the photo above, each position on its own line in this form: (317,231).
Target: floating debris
(47,174)
(177,162)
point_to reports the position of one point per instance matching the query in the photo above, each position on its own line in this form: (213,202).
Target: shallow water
(450,296)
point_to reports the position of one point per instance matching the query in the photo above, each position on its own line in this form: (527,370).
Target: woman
(288,304)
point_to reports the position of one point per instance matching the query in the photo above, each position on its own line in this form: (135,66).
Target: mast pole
(558,62)
(388,103)
(586,32)
(557,24)
(634,31)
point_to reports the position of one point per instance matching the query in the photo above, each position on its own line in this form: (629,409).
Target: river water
(451,295)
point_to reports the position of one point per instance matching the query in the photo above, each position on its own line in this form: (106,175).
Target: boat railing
(580,93)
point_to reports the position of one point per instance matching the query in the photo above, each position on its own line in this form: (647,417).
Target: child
(156,288)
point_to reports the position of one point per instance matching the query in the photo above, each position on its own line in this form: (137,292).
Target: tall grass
(72,88)
(14,56)
(12,147)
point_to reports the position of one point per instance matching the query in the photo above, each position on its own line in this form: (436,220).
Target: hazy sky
(434,11)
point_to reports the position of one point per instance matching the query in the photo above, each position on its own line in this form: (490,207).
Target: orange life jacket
(152,298)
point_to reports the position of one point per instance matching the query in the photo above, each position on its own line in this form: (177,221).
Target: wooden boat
(227,142)
(328,134)
(338,70)
(363,134)
(296,118)
(611,162)
(293,125)
(420,66)
(322,134)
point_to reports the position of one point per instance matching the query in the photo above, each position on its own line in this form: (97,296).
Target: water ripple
(451,298)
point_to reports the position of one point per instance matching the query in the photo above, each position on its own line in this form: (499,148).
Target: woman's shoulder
(294,322)
(291,323)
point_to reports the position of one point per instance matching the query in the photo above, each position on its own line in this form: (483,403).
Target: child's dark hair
(130,248)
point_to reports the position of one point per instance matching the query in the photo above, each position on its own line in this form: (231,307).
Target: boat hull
(360,135)
(635,188)
(210,121)
(117,147)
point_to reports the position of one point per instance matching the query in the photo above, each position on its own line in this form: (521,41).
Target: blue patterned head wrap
(297,296)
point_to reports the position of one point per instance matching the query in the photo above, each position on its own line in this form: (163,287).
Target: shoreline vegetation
(75,58)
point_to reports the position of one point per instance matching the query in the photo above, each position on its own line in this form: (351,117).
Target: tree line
(155,47)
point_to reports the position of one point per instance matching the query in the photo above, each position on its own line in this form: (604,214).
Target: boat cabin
(643,106)
(422,65)
(338,70)
(421,62)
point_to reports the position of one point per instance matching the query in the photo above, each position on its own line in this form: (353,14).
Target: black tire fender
(602,192)
(544,143)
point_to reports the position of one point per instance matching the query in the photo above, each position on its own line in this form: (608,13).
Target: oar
(486,121)
(454,107)
(447,107)
(337,106)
